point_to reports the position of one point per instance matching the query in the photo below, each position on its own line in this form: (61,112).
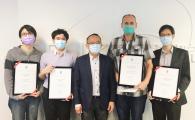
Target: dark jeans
(56,109)
(26,109)
(163,109)
(126,104)
(95,111)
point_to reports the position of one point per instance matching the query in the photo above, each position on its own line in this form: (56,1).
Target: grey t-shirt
(17,54)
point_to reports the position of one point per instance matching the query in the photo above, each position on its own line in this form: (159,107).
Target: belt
(133,94)
(96,97)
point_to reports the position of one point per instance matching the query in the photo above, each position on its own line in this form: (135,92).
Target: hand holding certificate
(25,77)
(60,83)
(165,82)
(131,70)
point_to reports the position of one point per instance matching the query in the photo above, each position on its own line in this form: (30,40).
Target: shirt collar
(91,57)
(59,53)
(26,51)
(134,37)
(163,51)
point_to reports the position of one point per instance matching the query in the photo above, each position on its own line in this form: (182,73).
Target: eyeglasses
(26,33)
(94,42)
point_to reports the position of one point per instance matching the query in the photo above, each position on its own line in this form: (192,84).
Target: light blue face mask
(60,44)
(95,48)
(128,29)
(166,40)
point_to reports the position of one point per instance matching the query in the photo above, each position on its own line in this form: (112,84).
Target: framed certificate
(165,82)
(130,69)
(59,83)
(25,77)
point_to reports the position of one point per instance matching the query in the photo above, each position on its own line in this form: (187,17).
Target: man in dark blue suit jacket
(94,82)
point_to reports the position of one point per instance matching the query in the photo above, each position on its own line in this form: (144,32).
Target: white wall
(83,17)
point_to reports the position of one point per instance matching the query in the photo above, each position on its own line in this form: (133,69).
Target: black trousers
(95,112)
(163,109)
(55,109)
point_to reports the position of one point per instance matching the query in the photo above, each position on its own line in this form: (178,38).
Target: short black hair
(169,27)
(128,15)
(93,34)
(29,28)
(60,31)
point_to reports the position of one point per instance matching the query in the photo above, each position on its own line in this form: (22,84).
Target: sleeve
(151,83)
(148,52)
(42,65)
(185,74)
(40,83)
(76,82)
(113,82)
(74,57)
(42,61)
(8,74)
(111,55)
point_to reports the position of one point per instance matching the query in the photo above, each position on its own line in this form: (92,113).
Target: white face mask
(166,40)
(60,44)
(95,48)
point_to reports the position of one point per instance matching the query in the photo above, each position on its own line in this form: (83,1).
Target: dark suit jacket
(180,59)
(83,81)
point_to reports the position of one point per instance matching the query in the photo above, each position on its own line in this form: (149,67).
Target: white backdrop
(83,17)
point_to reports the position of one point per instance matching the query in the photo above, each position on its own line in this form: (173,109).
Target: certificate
(131,70)
(25,77)
(165,82)
(60,83)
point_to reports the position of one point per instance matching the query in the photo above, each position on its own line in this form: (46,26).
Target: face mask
(28,40)
(128,29)
(94,48)
(166,40)
(60,44)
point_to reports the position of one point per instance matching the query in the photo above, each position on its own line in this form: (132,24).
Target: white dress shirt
(165,58)
(95,70)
